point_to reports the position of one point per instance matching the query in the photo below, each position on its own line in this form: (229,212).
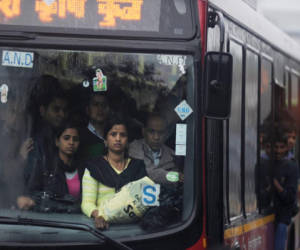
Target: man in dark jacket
(97,111)
(50,103)
(285,178)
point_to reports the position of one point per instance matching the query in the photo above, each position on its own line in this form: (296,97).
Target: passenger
(62,180)
(52,112)
(290,131)
(158,158)
(97,111)
(48,107)
(47,104)
(285,189)
(106,174)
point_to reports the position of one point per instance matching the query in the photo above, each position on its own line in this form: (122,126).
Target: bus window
(265,125)
(294,91)
(235,124)
(287,89)
(42,90)
(251,108)
(265,89)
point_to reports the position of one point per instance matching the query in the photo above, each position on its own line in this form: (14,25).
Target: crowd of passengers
(80,161)
(278,173)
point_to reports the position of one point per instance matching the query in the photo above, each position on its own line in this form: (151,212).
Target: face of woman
(117,139)
(68,142)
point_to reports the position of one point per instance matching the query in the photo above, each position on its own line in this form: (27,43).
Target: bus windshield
(96,134)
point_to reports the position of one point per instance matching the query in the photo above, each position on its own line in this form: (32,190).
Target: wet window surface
(54,110)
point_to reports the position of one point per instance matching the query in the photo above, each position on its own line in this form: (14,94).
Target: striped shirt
(94,192)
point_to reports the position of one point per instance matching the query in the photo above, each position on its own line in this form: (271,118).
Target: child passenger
(107,174)
(64,177)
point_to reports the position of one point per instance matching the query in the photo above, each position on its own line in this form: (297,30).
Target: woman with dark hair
(62,182)
(105,175)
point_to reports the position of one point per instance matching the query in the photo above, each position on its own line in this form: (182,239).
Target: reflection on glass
(55,123)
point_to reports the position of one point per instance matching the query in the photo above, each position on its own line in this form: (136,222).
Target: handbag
(47,202)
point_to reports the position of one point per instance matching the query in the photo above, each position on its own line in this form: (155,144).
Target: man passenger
(38,151)
(290,131)
(158,158)
(285,174)
(97,111)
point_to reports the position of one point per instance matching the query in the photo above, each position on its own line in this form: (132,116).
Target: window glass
(287,88)
(265,89)
(65,114)
(294,90)
(251,117)
(266,123)
(235,132)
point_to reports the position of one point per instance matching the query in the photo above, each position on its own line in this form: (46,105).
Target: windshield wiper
(66,225)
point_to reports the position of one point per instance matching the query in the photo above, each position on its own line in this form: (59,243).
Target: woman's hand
(26,147)
(100,222)
(25,203)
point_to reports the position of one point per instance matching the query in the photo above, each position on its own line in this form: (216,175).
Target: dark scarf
(65,167)
(103,172)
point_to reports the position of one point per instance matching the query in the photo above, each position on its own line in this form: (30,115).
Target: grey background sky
(283,13)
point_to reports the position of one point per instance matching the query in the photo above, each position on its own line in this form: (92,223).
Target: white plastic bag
(126,205)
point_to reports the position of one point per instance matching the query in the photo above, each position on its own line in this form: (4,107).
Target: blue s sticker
(150,195)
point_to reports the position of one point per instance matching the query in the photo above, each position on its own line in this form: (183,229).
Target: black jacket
(47,186)
(90,145)
(286,172)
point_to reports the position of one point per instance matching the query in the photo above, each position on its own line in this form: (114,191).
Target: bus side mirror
(217,82)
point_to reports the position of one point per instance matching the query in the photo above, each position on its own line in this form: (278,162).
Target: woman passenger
(107,174)
(63,179)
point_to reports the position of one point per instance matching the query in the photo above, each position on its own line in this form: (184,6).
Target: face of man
(267,148)
(98,109)
(291,139)
(55,113)
(154,133)
(280,150)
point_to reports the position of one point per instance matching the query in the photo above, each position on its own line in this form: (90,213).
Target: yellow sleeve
(89,193)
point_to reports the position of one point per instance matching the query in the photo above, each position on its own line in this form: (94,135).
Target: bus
(214,70)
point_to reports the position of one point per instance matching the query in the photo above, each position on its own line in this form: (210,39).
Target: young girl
(64,177)
(107,174)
